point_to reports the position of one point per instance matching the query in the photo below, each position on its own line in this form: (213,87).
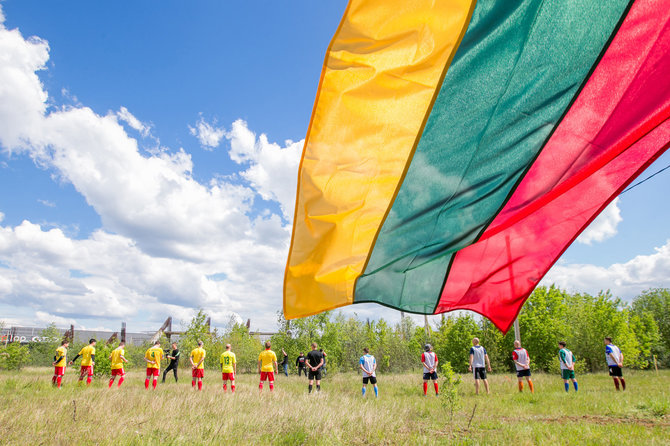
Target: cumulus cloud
(208,135)
(47,203)
(624,279)
(271,168)
(604,226)
(164,235)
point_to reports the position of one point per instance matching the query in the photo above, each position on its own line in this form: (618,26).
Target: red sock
(232,388)
(530,384)
(225,388)
(146,383)
(616,383)
(155,383)
(120,381)
(520,386)
(272,386)
(53,380)
(260,385)
(436,390)
(425,388)
(111,381)
(623,383)
(193,384)
(58,380)
(88,381)
(199,385)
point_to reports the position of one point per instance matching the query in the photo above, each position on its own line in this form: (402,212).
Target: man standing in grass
(228,368)
(300,364)
(368,365)
(284,362)
(153,358)
(174,362)
(116,360)
(429,362)
(614,359)
(479,359)
(60,360)
(522,363)
(267,364)
(567,361)
(87,362)
(197,359)
(314,364)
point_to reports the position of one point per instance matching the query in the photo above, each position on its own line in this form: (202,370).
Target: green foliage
(449,390)
(43,349)
(454,339)
(656,302)
(14,356)
(103,365)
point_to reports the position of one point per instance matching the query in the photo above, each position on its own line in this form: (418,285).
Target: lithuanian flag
(457,147)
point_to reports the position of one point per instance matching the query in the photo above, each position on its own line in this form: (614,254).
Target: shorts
(152,371)
(86,369)
(228,376)
(59,371)
(198,373)
(314,375)
(479,372)
(615,371)
(373,379)
(522,373)
(427,376)
(118,372)
(567,374)
(269,376)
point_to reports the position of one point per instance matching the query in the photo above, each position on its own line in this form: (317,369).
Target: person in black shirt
(300,364)
(284,362)
(314,364)
(174,362)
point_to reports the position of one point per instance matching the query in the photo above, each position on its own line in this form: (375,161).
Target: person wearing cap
(429,361)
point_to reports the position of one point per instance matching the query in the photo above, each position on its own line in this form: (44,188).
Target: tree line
(641,329)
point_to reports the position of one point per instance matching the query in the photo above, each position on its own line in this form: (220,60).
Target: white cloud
(604,226)
(163,234)
(272,169)
(127,117)
(625,280)
(208,135)
(47,203)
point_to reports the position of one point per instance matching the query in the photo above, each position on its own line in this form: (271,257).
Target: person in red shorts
(228,368)
(87,361)
(267,364)
(153,357)
(116,360)
(60,360)
(197,359)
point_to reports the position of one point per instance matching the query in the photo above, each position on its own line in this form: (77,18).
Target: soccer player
(197,359)
(368,365)
(117,359)
(567,361)
(522,363)
(478,359)
(300,364)
(87,361)
(614,359)
(60,360)
(284,362)
(174,362)
(153,358)
(429,362)
(314,364)
(228,368)
(267,363)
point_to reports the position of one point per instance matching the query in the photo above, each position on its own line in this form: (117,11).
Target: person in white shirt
(368,365)
(522,364)
(479,359)
(429,362)
(614,359)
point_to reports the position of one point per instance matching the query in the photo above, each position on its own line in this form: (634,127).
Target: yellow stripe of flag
(382,71)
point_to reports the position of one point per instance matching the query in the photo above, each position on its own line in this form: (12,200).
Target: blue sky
(169,121)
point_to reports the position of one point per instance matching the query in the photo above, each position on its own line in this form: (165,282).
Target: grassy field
(35,413)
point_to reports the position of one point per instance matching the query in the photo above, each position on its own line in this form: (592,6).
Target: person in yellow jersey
(87,361)
(60,360)
(117,359)
(197,359)
(228,368)
(267,364)
(153,358)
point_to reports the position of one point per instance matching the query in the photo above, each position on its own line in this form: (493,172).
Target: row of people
(314,362)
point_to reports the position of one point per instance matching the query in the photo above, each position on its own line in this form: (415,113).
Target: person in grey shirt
(479,361)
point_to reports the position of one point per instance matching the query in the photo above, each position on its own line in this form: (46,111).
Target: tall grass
(35,413)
